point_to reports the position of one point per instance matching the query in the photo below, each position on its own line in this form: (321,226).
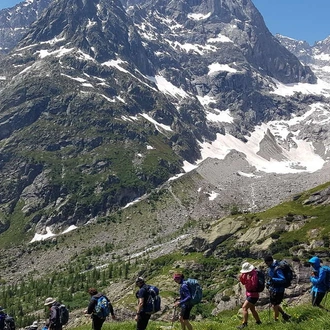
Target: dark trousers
(142,322)
(97,323)
(317,298)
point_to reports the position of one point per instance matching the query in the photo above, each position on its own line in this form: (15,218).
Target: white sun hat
(247,267)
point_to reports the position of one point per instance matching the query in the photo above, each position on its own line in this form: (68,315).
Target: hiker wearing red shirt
(249,279)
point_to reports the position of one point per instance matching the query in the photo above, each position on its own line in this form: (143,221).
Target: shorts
(185,312)
(252,300)
(317,298)
(276,298)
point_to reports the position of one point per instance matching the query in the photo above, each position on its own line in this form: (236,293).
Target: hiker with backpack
(276,284)
(6,322)
(142,316)
(58,314)
(183,302)
(249,278)
(319,280)
(99,308)
(2,318)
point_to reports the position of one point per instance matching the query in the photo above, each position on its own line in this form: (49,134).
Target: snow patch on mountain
(198,17)
(267,147)
(219,116)
(167,87)
(217,67)
(299,159)
(322,87)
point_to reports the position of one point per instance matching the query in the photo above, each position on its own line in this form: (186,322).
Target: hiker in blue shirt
(318,279)
(142,318)
(276,287)
(183,302)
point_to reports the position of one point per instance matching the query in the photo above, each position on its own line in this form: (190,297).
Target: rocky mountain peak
(15,22)
(101,105)
(100,29)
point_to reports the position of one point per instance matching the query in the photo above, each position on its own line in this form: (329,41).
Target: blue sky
(299,19)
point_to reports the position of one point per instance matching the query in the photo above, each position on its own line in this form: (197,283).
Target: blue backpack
(153,302)
(195,290)
(102,308)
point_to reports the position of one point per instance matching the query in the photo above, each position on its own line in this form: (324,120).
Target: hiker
(53,320)
(249,279)
(2,318)
(318,279)
(97,320)
(276,286)
(141,317)
(6,322)
(183,302)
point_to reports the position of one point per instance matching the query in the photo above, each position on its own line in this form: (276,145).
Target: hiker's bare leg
(245,309)
(255,313)
(276,309)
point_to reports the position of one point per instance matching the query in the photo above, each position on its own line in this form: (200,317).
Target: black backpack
(261,281)
(63,314)
(153,303)
(287,272)
(9,323)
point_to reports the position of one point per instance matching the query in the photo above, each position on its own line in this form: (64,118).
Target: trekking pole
(173,317)
(269,307)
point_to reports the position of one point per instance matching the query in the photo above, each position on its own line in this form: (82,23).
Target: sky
(299,19)
(306,20)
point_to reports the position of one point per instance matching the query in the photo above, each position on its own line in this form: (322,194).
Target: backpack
(195,290)
(102,308)
(261,281)
(63,314)
(153,302)
(9,323)
(287,272)
(327,277)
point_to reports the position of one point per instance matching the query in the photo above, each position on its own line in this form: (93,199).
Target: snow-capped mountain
(316,56)
(15,21)
(101,104)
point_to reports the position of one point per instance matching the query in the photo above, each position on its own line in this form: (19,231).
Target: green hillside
(24,298)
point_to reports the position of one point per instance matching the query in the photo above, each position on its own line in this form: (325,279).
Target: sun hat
(49,301)
(247,268)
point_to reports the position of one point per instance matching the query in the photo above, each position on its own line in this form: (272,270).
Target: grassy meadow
(303,317)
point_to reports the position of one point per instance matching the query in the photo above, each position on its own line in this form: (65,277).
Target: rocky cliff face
(15,22)
(100,105)
(316,56)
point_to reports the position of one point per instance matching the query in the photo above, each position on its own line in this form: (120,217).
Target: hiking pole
(269,308)
(173,317)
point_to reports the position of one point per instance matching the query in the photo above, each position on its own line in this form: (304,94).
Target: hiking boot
(243,325)
(286,317)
